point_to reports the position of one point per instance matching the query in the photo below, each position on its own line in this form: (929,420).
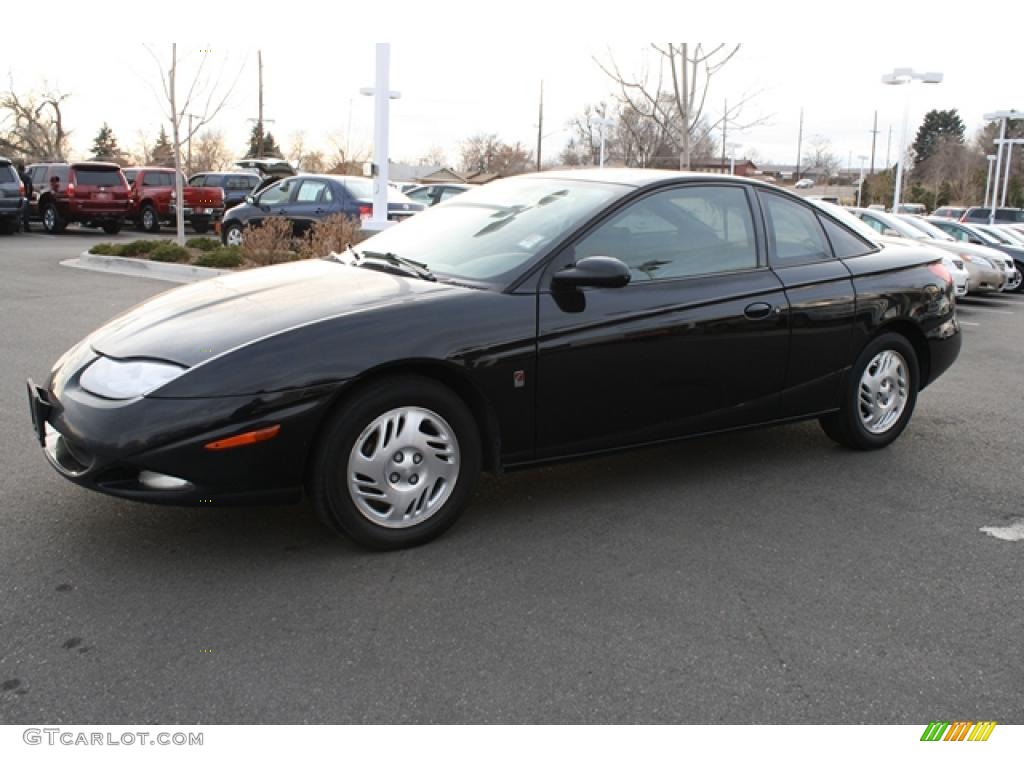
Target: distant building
(742,166)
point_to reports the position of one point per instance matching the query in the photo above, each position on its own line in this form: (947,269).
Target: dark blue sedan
(304,200)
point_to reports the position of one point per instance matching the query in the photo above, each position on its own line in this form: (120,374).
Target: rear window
(88,177)
(7,174)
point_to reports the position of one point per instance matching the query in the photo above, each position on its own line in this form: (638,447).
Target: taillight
(966,257)
(71,189)
(21,188)
(939,270)
(365,212)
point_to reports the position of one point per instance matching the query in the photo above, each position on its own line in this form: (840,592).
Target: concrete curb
(155,270)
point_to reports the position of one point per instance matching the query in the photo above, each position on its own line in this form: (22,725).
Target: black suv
(236,186)
(93,194)
(12,198)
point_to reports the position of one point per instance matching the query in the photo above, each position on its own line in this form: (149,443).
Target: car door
(311,203)
(802,248)
(274,201)
(698,340)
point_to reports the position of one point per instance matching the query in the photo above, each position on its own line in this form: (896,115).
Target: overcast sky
(474,68)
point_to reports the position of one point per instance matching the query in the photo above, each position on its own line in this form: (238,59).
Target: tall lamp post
(1002,117)
(732,157)
(602,124)
(860,181)
(988,178)
(905,76)
(382,96)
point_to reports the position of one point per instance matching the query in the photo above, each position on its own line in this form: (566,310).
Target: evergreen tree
(938,124)
(270,148)
(163,150)
(104,146)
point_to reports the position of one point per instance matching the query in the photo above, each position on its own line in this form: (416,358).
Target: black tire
(53,222)
(201,227)
(847,426)
(149,220)
(232,227)
(112,227)
(8,227)
(327,484)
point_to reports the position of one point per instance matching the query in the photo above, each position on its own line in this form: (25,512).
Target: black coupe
(536,318)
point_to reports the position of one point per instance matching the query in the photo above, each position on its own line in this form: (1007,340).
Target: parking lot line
(964,322)
(975,308)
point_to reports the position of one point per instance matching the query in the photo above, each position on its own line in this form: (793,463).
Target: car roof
(147,168)
(640,177)
(5,161)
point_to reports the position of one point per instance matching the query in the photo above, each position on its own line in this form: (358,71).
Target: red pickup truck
(152,200)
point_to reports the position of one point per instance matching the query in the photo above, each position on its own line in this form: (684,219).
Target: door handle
(758,310)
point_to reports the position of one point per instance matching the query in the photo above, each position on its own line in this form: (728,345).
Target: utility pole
(888,146)
(540,123)
(725,130)
(874,135)
(175,124)
(799,146)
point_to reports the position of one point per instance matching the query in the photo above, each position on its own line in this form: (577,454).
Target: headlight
(125,379)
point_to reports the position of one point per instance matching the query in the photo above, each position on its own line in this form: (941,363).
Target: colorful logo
(958,730)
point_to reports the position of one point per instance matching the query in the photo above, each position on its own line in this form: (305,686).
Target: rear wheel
(201,227)
(112,227)
(149,221)
(879,396)
(397,464)
(53,223)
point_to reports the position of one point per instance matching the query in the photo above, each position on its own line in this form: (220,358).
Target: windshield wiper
(406,266)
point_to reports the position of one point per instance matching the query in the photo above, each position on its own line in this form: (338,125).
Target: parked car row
(990,268)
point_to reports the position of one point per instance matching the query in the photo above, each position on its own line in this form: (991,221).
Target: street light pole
(602,124)
(382,102)
(988,178)
(905,76)
(1002,117)
(860,182)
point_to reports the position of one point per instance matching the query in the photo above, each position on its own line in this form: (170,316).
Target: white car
(952,262)
(803,184)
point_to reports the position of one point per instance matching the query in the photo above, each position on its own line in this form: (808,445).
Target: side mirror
(250,199)
(594,272)
(975,241)
(890,232)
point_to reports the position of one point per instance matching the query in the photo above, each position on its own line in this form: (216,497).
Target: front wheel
(233,234)
(200,226)
(397,464)
(879,396)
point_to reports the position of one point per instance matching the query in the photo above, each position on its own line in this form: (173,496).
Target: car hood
(193,323)
(958,247)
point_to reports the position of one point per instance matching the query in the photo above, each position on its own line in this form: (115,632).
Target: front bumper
(135,449)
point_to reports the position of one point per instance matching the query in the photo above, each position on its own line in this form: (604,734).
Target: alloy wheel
(883,391)
(403,467)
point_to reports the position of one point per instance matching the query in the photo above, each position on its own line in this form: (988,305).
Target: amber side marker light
(246,438)
(939,270)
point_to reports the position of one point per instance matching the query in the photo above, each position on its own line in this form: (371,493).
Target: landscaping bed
(270,243)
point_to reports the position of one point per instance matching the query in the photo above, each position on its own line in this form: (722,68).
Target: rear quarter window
(7,174)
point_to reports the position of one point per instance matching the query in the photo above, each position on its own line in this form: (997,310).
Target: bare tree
(819,157)
(676,106)
(210,153)
(33,125)
(191,111)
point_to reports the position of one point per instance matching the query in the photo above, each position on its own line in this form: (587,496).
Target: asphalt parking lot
(761,577)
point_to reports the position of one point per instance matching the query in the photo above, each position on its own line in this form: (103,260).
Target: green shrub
(222,258)
(168,252)
(203,243)
(137,247)
(104,249)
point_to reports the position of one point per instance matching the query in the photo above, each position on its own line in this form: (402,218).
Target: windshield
(928,228)
(490,233)
(984,236)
